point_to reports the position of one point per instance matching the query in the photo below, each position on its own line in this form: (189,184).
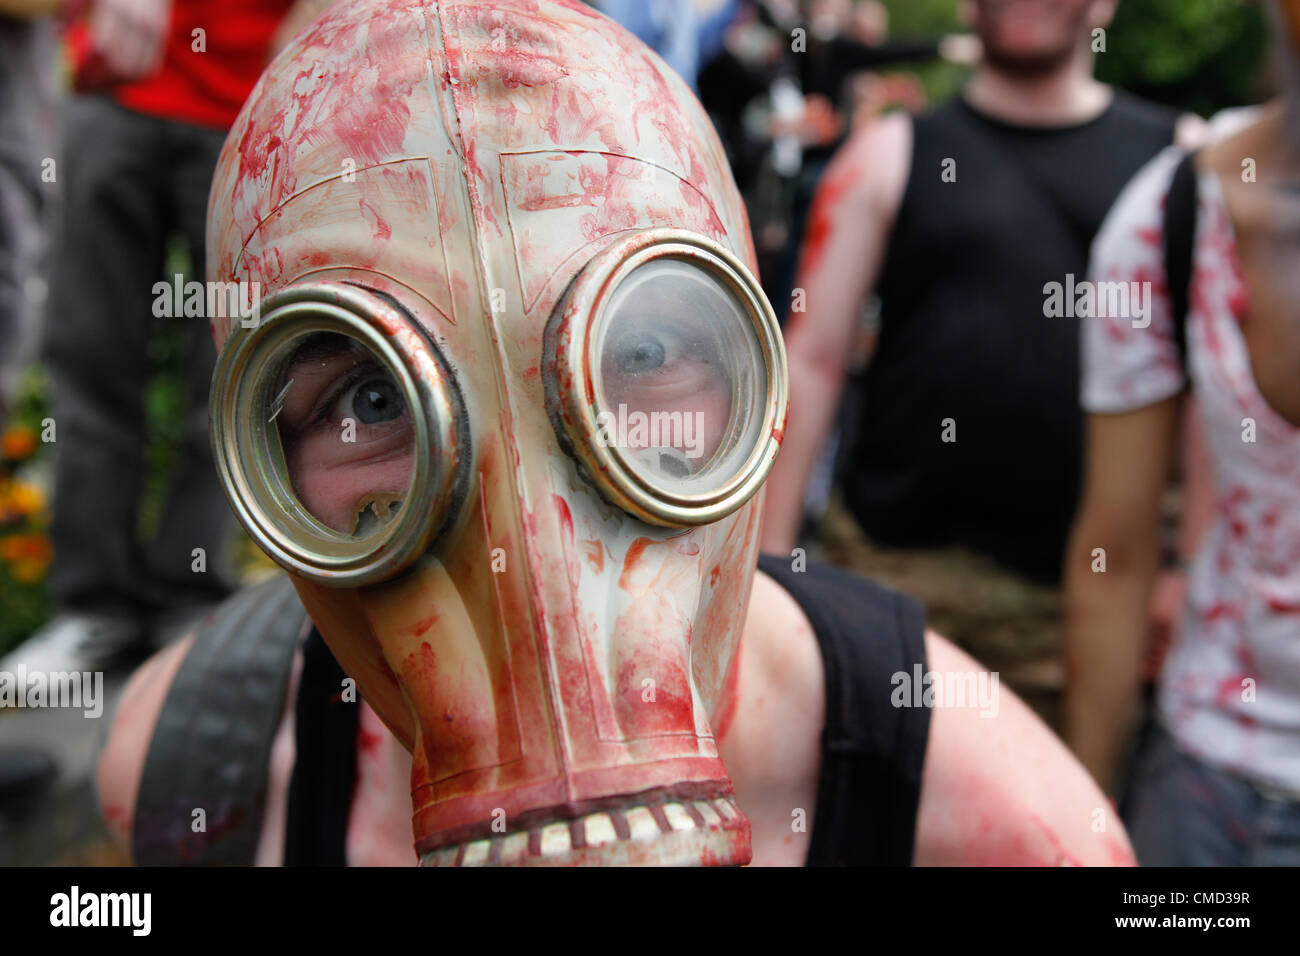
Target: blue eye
(641,356)
(377,400)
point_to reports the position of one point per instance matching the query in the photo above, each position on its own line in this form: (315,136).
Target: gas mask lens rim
(248,395)
(736,319)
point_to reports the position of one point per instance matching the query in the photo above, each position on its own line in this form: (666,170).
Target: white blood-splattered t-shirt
(1230,687)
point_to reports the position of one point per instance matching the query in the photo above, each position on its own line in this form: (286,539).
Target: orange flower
(28,556)
(17,443)
(26,547)
(20,498)
(29,571)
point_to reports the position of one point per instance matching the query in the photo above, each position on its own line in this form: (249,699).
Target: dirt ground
(1011,626)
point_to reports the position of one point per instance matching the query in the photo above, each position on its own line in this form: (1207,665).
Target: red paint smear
(820,219)
(632,563)
(1116,852)
(566,518)
(419,627)
(1064,855)
(726,712)
(670,711)
(595,554)
(517,67)
(383,232)
(420,666)
(1222,610)
(368,742)
(361,110)
(1229,690)
(117,817)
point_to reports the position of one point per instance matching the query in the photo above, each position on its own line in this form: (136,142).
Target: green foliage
(1200,55)
(919,19)
(23,608)
(164,397)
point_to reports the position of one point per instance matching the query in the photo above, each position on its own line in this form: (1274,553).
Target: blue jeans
(1183,812)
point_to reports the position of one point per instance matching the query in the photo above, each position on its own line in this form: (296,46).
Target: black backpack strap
(1180,241)
(325,768)
(211,748)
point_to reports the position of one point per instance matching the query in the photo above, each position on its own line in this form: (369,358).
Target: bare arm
(1106,611)
(848,227)
(1002,790)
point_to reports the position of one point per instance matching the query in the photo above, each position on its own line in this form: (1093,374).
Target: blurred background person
(1217,781)
(781,92)
(158,83)
(961,447)
(28,46)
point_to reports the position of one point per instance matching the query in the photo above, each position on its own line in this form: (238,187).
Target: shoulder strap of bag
(1180,238)
(211,748)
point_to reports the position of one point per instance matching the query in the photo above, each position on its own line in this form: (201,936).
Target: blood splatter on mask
(505,412)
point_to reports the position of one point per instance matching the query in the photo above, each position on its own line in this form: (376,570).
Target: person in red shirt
(157,85)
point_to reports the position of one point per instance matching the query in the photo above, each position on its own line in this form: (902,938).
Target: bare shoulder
(999,788)
(780,666)
(787,648)
(771,745)
(121,763)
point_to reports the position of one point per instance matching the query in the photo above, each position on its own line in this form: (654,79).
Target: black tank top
(872,752)
(963,335)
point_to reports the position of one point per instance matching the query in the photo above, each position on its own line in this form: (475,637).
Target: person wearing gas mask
(504,419)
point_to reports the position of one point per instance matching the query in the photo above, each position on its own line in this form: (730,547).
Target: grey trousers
(130,183)
(21,234)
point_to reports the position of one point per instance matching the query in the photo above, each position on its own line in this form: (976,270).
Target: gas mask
(505,413)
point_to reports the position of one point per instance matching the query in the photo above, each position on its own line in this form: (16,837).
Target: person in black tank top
(958,448)
(964,428)
(964,336)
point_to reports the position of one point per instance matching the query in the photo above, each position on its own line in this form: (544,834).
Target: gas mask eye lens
(679,362)
(348,441)
(673,377)
(338,433)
